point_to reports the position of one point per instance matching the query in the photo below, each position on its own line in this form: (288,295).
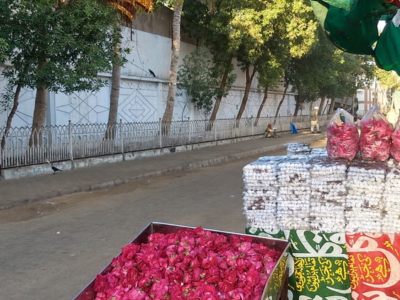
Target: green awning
(352,25)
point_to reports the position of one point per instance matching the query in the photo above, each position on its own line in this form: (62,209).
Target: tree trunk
(219,98)
(280,103)
(176,38)
(114,96)
(341,102)
(321,106)
(38,117)
(297,107)
(249,80)
(39,112)
(332,106)
(347,100)
(325,108)
(261,106)
(10,116)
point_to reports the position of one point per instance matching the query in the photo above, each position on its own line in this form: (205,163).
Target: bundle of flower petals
(328,194)
(260,193)
(375,138)
(391,195)
(395,148)
(364,201)
(189,264)
(342,140)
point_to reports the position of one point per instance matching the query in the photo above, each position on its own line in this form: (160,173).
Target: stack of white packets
(391,199)
(365,186)
(328,195)
(260,193)
(294,193)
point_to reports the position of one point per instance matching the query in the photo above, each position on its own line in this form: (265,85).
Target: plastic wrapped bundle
(319,152)
(375,138)
(395,148)
(297,148)
(261,192)
(391,196)
(364,201)
(294,193)
(328,194)
(342,136)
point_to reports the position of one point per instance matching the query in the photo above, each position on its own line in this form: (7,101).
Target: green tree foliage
(388,79)
(3,49)
(326,72)
(259,25)
(209,22)
(196,77)
(248,30)
(57,46)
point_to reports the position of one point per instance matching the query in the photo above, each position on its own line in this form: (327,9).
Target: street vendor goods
(349,249)
(317,192)
(375,137)
(342,136)
(176,262)
(395,148)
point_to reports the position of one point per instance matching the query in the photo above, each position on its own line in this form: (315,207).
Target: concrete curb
(117,182)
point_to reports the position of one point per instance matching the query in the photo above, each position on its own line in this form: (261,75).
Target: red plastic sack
(375,138)
(342,136)
(395,148)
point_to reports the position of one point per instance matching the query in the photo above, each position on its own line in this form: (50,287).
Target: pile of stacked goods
(391,200)
(294,193)
(365,186)
(328,191)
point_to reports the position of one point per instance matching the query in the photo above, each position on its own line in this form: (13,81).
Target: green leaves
(75,41)
(388,79)
(326,71)
(3,50)
(197,78)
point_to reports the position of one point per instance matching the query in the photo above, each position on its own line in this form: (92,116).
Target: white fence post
(189,130)
(71,153)
(160,130)
(121,136)
(1,157)
(252,126)
(215,129)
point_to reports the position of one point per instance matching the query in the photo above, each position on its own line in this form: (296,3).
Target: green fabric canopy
(352,25)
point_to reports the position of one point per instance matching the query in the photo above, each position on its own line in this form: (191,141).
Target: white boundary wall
(142,96)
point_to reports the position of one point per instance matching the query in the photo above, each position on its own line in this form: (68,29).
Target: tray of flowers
(175,262)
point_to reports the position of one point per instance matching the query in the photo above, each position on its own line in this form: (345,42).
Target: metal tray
(274,281)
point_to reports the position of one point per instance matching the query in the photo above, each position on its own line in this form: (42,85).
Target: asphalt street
(51,249)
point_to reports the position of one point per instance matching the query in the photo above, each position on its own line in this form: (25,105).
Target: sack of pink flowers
(342,136)
(189,264)
(375,137)
(395,148)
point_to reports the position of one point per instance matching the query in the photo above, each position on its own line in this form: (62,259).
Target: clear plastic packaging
(395,148)
(375,138)
(342,136)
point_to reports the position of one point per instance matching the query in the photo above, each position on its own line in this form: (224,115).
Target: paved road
(52,248)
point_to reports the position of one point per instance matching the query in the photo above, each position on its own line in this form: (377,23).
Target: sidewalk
(21,191)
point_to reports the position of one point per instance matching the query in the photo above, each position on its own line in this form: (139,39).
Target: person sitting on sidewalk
(270,132)
(314,120)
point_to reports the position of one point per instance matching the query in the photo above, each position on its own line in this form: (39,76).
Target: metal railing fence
(75,141)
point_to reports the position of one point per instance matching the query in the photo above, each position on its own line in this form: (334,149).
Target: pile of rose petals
(189,264)
(395,148)
(375,139)
(342,140)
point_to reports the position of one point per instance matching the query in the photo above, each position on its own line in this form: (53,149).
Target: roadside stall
(175,262)
(340,212)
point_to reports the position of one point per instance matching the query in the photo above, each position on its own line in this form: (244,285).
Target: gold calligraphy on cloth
(311,272)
